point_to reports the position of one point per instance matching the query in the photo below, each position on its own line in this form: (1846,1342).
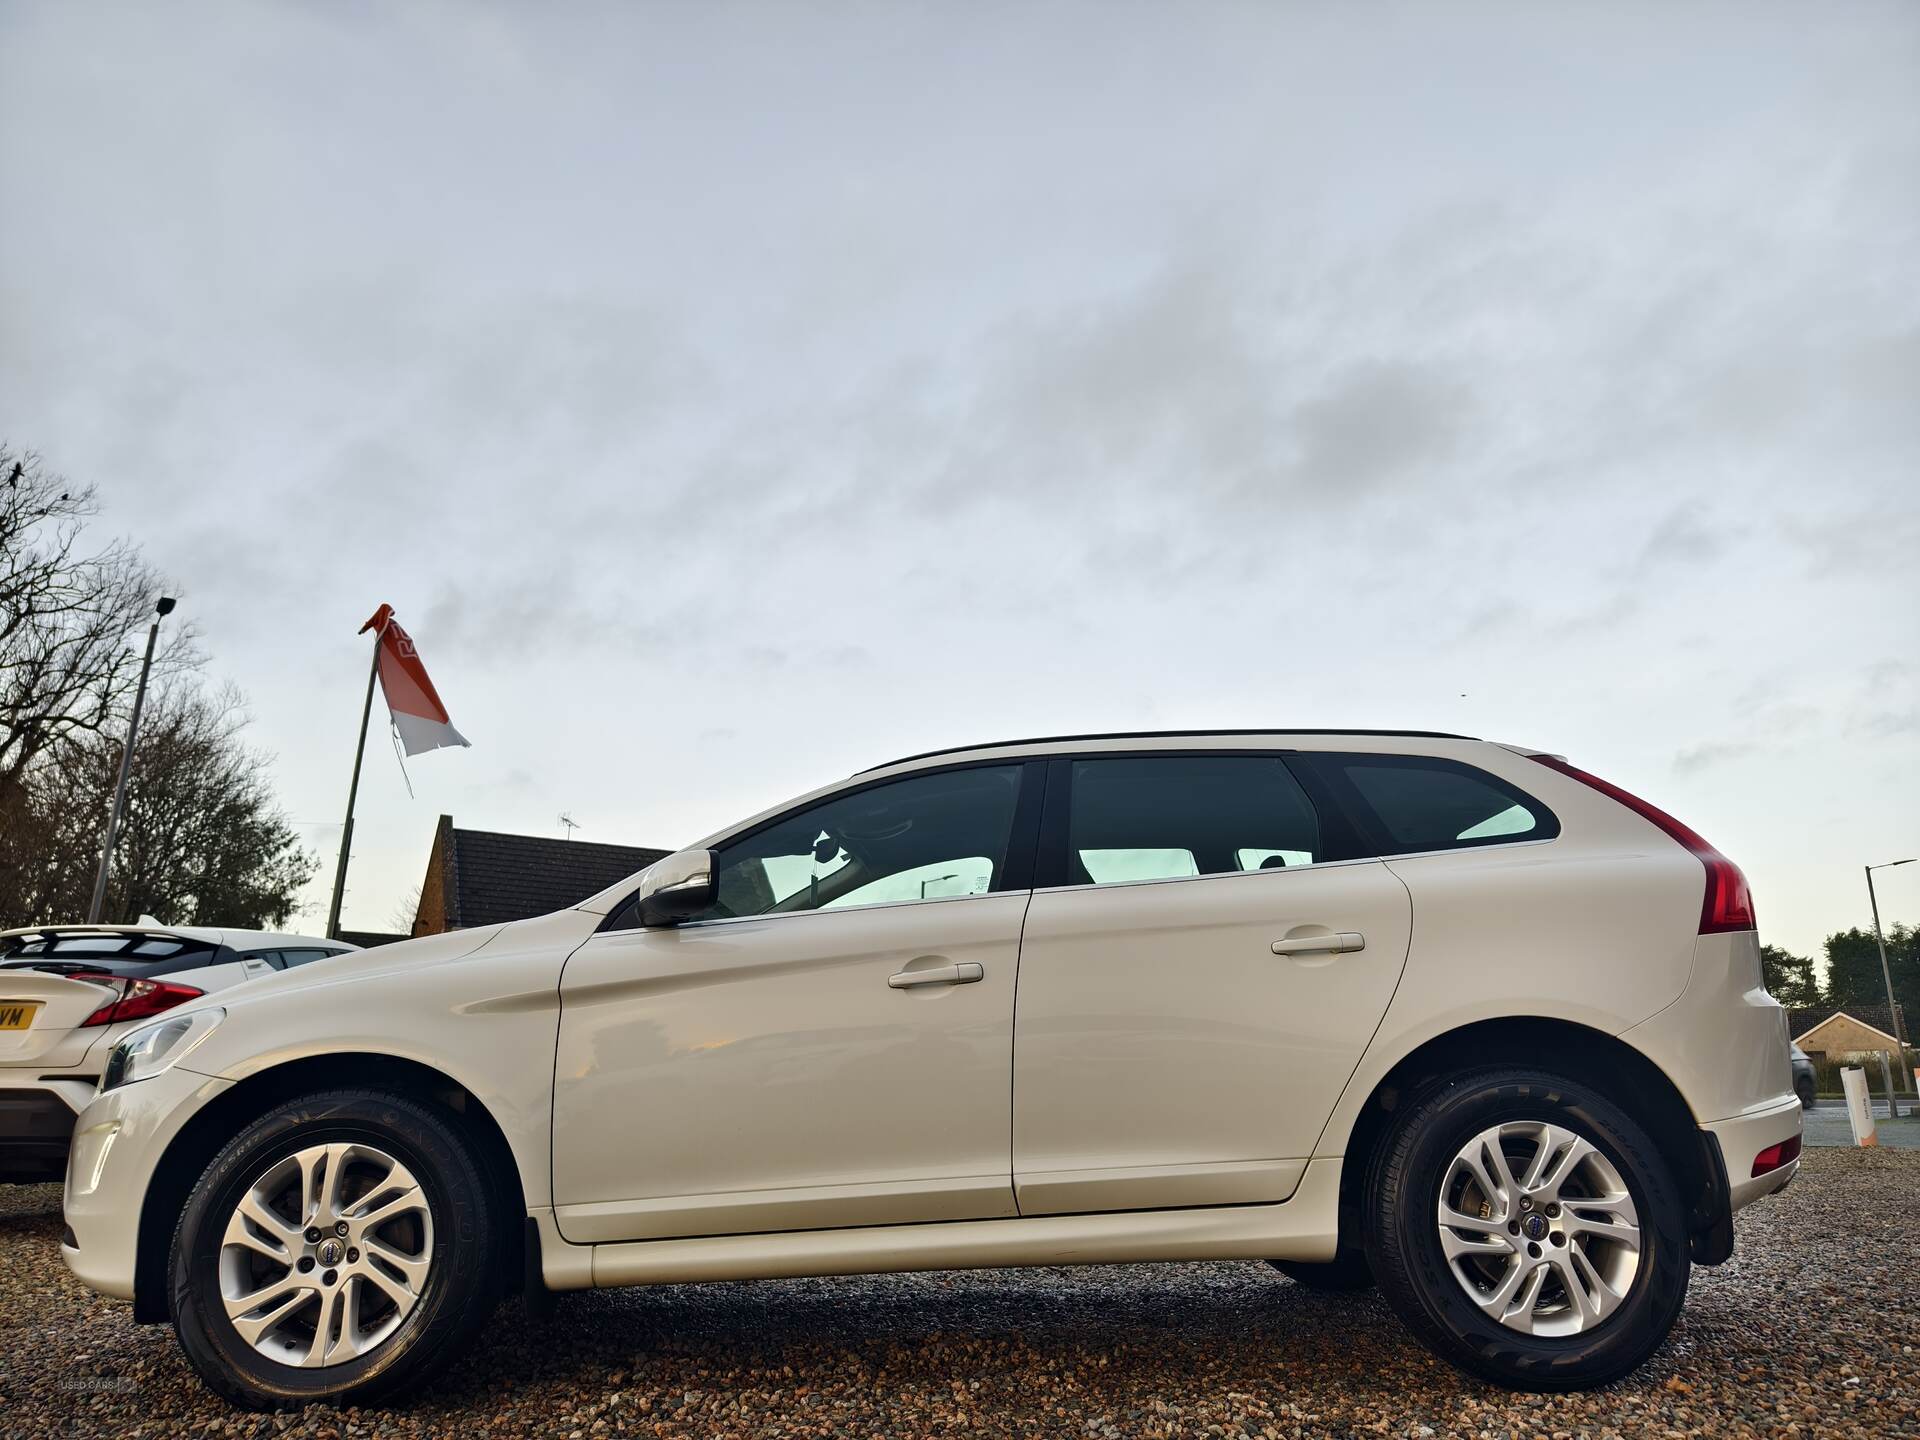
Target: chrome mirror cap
(677,888)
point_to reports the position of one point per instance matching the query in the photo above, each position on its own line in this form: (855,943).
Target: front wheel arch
(201,1138)
(1614,1068)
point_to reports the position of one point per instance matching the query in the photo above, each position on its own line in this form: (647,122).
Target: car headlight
(157,1047)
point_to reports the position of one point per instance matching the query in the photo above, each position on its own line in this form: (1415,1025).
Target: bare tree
(201,841)
(66,613)
(406,912)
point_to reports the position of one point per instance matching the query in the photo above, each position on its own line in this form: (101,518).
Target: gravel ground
(1811,1329)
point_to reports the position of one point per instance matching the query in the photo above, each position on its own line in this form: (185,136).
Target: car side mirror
(677,888)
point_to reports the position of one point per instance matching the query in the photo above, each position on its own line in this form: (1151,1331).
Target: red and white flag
(419,719)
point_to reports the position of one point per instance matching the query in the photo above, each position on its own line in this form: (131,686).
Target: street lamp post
(165,607)
(1886,974)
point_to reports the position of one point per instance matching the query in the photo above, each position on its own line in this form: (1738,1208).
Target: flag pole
(353,790)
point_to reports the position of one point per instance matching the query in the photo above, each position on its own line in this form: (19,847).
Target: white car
(1451,1017)
(68,992)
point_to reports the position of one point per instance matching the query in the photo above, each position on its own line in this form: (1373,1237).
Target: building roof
(367,939)
(1872,1030)
(491,877)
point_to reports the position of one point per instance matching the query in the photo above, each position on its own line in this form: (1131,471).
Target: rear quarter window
(1413,803)
(133,955)
(307,956)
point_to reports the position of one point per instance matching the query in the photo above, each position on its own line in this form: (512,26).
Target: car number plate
(15,1015)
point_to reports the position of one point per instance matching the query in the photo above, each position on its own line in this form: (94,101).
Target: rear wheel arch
(187,1157)
(1562,1047)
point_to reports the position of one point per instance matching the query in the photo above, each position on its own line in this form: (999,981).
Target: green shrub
(1826,1073)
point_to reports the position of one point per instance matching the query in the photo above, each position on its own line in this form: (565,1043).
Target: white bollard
(1853,1084)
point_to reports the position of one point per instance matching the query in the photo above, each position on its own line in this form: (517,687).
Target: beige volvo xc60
(1452,1018)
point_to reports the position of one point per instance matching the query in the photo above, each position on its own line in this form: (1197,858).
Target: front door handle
(1344,943)
(965,973)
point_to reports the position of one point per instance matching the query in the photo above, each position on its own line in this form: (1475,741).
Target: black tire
(1346,1272)
(1404,1249)
(1804,1089)
(454,1301)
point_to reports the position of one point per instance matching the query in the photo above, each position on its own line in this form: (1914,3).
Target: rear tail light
(1728,905)
(1774,1156)
(141,1000)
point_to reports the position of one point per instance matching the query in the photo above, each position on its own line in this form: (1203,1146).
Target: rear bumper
(1724,1046)
(1729,1150)
(1742,1137)
(36,1127)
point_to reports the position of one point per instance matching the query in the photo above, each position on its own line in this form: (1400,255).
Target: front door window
(924,838)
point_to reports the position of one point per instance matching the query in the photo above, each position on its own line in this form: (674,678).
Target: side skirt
(1305,1227)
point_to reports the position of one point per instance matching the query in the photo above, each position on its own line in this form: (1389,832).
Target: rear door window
(1414,803)
(1168,817)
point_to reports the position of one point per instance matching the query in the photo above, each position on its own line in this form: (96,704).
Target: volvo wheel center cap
(1535,1227)
(331,1252)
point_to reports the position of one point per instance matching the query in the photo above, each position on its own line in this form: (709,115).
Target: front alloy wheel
(326,1254)
(344,1246)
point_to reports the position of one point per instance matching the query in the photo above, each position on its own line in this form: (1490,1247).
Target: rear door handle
(1344,943)
(965,973)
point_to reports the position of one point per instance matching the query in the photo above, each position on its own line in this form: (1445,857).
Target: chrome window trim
(803,914)
(1293,869)
(1477,849)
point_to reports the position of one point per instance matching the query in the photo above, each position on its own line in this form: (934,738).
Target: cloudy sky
(728,397)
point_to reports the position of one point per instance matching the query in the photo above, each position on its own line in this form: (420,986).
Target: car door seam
(1406,961)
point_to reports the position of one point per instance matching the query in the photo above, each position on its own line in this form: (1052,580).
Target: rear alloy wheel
(338,1248)
(1528,1230)
(1538,1228)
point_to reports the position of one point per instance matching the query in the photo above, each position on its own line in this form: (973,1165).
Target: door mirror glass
(676,888)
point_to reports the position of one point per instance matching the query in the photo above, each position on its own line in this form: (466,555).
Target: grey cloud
(1494,617)
(1686,535)
(1377,422)
(1165,376)
(1887,724)
(1596,618)
(1697,758)
(1840,540)
(1887,701)
(1778,722)
(514,614)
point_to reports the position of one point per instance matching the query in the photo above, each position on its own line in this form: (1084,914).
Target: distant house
(483,877)
(1842,1034)
(1802,1018)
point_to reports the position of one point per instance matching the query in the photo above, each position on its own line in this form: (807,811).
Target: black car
(1803,1078)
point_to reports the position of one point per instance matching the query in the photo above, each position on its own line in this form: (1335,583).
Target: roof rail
(1160,735)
